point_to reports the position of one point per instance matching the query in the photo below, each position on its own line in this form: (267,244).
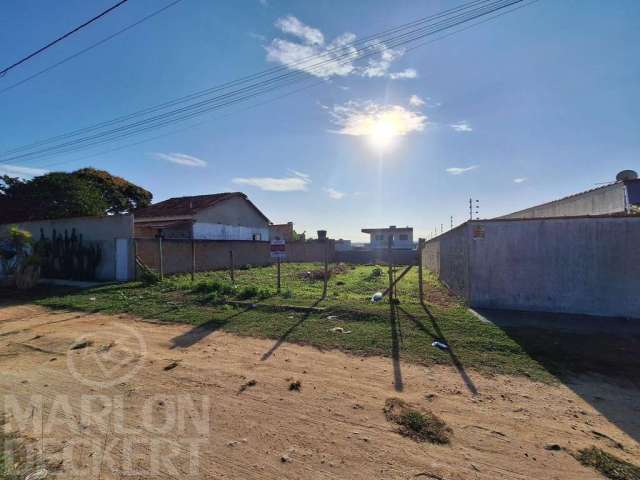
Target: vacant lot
(520,402)
(247,422)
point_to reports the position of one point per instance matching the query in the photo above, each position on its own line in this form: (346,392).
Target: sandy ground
(111,410)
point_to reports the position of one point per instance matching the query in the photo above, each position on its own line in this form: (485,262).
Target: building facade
(401,237)
(221,216)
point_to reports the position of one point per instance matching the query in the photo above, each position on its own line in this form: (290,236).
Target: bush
(219,287)
(254,292)
(376,272)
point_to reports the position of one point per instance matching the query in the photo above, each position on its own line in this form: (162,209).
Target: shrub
(210,286)
(421,426)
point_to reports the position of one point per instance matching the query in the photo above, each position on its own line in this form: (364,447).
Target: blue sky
(534,105)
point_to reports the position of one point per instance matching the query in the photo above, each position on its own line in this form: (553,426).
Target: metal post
(278,269)
(135,259)
(232,267)
(421,243)
(161,255)
(193,258)
(326,271)
(390,261)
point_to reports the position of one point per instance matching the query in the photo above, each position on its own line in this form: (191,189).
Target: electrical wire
(258,88)
(90,47)
(59,39)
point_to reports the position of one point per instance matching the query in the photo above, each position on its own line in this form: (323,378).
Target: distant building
(621,197)
(220,216)
(343,245)
(379,237)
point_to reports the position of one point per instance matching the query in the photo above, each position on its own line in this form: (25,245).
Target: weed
(608,465)
(421,426)
(295,386)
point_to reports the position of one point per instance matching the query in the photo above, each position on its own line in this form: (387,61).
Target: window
(404,236)
(257,237)
(379,237)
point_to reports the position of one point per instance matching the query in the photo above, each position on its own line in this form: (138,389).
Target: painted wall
(601,201)
(217,231)
(103,230)
(573,265)
(376,242)
(235,211)
(214,254)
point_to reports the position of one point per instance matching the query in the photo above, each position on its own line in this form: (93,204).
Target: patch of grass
(608,465)
(476,345)
(422,426)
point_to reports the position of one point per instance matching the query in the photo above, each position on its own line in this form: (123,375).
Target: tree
(86,192)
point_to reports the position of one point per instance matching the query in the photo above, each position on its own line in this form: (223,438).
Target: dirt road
(140,400)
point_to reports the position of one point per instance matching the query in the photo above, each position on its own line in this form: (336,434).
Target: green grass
(476,345)
(608,465)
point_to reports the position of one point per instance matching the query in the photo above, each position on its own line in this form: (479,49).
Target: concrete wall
(448,257)
(367,257)
(234,211)
(214,254)
(573,265)
(600,201)
(218,231)
(102,230)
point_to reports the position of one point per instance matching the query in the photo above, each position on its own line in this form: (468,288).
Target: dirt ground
(142,400)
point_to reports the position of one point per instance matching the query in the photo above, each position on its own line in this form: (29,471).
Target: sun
(383,132)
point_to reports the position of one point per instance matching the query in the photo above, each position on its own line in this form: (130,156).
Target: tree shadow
(288,332)
(437,335)
(202,331)
(598,358)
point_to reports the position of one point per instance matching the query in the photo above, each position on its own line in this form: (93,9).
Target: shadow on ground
(596,357)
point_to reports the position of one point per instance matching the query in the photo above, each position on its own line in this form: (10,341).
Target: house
(402,238)
(220,216)
(621,197)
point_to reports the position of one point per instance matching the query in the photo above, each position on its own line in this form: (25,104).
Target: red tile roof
(180,206)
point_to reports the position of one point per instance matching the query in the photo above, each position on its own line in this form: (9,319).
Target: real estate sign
(278,249)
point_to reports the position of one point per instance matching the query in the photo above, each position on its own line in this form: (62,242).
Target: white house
(220,216)
(402,237)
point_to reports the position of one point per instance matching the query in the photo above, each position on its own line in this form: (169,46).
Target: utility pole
(451,222)
(474,205)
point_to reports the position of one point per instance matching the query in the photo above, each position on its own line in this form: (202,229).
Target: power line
(313,85)
(59,39)
(247,92)
(198,108)
(90,47)
(243,80)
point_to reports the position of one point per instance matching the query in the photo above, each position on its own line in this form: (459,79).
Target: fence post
(390,262)
(232,267)
(326,271)
(278,274)
(161,256)
(193,258)
(421,243)
(135,259)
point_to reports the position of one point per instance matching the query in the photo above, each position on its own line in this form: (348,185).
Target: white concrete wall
(219,231)
(397,243)
(102,230)
(600,201)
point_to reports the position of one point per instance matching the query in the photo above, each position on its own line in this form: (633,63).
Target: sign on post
(278,249)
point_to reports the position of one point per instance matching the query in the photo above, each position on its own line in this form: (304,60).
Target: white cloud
(334,194)
(461,127)
(310,53)
(416,101)
(460,170)
(367,118)
(406,73)
(182,159)
(298,181)
(520,180)
(20,172)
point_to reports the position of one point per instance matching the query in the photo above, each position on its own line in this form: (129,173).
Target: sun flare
(383,133)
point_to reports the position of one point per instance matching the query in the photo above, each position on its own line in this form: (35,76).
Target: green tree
(86,192)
